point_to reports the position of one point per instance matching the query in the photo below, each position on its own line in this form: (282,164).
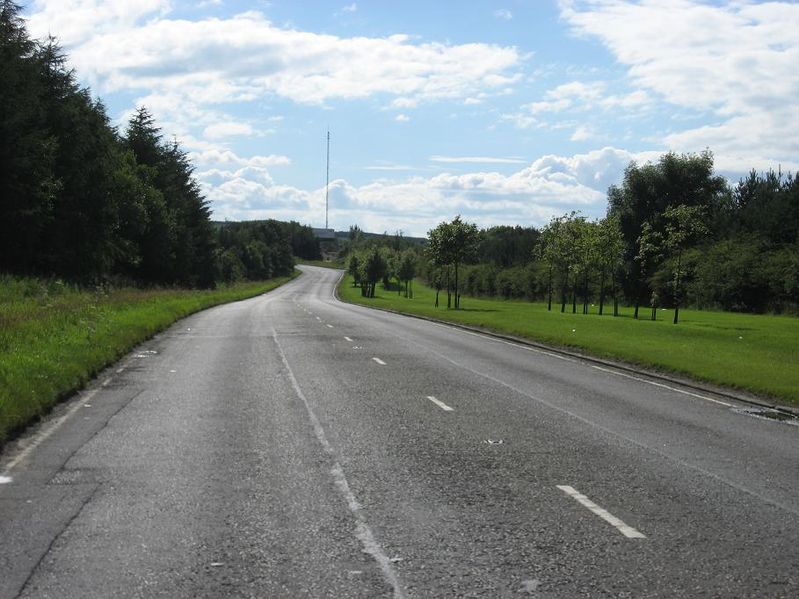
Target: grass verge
(54,338)
(756,353)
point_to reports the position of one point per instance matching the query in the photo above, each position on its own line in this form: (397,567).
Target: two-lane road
(291,446)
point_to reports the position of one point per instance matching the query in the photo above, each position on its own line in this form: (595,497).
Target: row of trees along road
(80,201)
(383,263)
(675,234)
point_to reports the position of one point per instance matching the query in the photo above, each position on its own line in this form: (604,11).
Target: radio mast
(327,176)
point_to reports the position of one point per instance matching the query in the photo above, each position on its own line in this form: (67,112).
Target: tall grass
(54,337)
(757,353)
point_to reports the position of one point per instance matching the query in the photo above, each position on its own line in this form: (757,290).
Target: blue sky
(504,112)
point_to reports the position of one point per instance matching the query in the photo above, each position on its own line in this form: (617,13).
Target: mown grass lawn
(54,338)
(758,353)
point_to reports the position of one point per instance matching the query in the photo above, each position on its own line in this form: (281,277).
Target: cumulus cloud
(227,129)
(76,21)
(216,157)
(735,61)
(246,57)
(503,14)
(547,187)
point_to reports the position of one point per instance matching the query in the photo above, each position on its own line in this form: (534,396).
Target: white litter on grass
(574,330)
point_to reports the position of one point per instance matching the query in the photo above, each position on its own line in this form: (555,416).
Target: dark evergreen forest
(82,201)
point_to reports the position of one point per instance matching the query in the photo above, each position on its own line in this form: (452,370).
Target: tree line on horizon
(83,202)
(675,234)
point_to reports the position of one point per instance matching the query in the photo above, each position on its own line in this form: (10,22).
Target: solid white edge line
(48,431)
(625,529)
(440,404)
(656,384)
(379,361)
(594,366)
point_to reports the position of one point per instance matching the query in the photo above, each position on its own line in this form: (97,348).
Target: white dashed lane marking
(625,529)
(440,403)
(379,361)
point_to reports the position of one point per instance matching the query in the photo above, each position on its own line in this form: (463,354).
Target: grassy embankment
(54,338)
(757,353)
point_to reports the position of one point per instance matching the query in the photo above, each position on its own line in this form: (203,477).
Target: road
(294,446)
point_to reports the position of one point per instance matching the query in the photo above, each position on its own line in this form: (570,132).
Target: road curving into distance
(291,445)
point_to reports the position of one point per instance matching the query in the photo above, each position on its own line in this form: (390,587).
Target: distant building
(325,234)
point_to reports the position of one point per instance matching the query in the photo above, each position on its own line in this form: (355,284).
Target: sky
(506,113)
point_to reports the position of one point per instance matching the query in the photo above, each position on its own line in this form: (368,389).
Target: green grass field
(756,353)
(54,338)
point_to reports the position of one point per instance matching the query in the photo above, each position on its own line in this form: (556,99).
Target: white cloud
(350,8)
(735,61)
(219,157)
(503,14)
(575,97)
(567,95)
(521,120)
(227,129)
(405,103)
(76,21)
(548,187)
(582,133)
(477,159)
(247,57)
(402,118)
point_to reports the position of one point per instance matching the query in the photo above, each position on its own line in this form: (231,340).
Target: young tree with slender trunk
(453,244)
(683,225)
(611,249)
(650,244)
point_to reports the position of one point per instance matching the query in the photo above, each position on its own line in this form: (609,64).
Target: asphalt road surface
(294,446)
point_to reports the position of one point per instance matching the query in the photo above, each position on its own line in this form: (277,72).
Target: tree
(560,249)
(452,244)
(646,192)
(683,225)
(407,270)
(505,246)
(28,184)
(650,244)
(548,251)
(353,268)
(374,268)
(610,247)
